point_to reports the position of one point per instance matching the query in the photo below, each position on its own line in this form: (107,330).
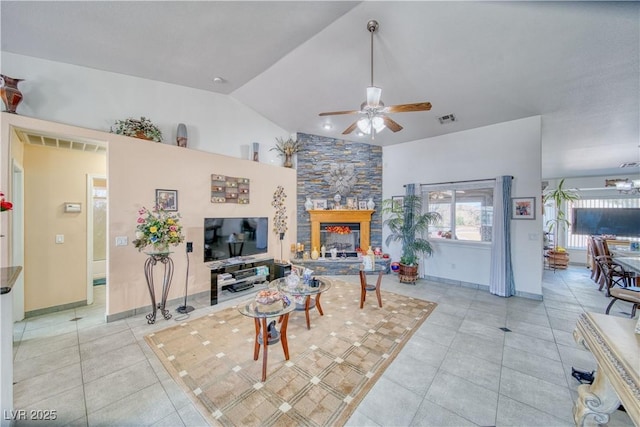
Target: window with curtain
(466,210)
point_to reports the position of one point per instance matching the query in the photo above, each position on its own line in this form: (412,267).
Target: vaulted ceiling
(577,64)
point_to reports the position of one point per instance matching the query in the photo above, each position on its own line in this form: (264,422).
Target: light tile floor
(459,369)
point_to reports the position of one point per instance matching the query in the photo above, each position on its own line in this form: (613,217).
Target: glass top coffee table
(308,293)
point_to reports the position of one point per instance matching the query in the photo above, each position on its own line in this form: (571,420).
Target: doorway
(96,233)
(17,236)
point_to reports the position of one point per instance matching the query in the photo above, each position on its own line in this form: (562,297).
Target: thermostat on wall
(72,207)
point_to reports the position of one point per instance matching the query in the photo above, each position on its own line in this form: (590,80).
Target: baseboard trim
(146,309)
(470,285)
(54,309)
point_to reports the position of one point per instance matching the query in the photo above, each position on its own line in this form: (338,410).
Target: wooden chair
(627,295)
(611,273)
(365,287)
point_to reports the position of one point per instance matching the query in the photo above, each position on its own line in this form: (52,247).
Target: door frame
(17,236)
(89,210)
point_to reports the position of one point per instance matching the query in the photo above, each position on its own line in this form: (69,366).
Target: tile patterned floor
(459,369)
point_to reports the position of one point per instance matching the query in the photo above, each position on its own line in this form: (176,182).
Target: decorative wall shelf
(228,189)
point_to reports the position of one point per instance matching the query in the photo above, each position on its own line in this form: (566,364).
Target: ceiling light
(628,187)
(218,80)
(368,125)
(327,126)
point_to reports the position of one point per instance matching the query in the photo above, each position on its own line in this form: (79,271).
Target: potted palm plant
(558,256)
(408,224)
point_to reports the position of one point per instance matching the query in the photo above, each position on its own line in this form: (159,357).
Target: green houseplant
(407,224)
(559,196)
(141,128)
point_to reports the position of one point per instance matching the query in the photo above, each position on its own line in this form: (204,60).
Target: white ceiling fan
(374,113)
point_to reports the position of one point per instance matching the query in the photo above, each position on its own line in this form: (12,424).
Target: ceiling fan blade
(335,113)
(406,108)
(391,124)
(350,128)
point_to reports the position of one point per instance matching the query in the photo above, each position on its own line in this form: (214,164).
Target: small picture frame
(362,205)
(352,203)
(397,203)
(319,204)
(167,199)
(523,208)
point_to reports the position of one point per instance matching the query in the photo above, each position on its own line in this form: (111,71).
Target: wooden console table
(616,348)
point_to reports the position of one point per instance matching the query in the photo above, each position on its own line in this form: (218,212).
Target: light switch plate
(59,238)
(122,241)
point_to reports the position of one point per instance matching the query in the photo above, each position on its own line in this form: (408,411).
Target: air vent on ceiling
(630,165)
(447,119)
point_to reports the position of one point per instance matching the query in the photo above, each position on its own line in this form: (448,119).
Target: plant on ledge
(407,226)
(142,129)
(287,148)
(157,228)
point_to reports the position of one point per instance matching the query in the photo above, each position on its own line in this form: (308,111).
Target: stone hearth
(338,266)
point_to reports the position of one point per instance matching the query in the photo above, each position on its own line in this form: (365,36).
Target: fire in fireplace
(345,237)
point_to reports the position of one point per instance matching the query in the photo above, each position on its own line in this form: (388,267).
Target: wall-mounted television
(624,222)
(226,238)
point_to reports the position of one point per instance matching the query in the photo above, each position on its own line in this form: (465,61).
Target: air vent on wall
(630,165)
(447,119)
(58,141)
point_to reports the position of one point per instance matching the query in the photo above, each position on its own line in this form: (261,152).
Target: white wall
(95,99)
(511,148)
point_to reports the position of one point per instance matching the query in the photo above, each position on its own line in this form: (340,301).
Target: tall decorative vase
(370,204)
(181,135)
(287,161)
(9,92)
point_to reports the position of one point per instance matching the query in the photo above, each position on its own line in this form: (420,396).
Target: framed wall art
(397,203)
(352,203)
(362,205)
(523,208)
(319,204)
(167,199)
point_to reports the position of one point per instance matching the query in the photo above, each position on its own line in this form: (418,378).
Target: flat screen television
(226,238)
(624,222)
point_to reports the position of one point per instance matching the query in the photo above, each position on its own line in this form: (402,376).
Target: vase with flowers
(158,228)
(141,128)
(287,148)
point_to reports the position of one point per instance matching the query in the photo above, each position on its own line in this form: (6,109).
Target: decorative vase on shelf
(288,163)
(308,204)
(370,204)
(181,135)
(9,92)
(314,253)
(323,250)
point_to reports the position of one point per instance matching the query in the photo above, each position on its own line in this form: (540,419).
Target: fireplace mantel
(363,217)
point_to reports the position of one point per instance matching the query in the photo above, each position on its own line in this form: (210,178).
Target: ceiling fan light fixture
(378,123)
(364,125)
(373,96)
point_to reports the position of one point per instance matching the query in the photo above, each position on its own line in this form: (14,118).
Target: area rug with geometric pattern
(331,366)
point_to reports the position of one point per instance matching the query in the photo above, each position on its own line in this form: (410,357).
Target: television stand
(238,277)
(239,287)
